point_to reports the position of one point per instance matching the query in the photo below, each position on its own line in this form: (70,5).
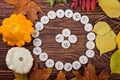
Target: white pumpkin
(19,59)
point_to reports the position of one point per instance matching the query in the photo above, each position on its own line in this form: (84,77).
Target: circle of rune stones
(90,45)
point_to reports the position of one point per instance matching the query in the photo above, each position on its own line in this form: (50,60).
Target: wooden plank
(53,49)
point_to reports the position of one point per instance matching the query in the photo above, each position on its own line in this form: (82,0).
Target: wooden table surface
(54,50)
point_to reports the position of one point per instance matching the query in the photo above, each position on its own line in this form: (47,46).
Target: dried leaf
(74,4)
(77,75)
(75,78)
(88,5)
(40,74)
(101,28)
(115,62)
(20,76)
(51,2)
(83,4)
(61,76)
(110,7)
(103,76)
(80,2)
(17,2)
(93,4)
(118,40)
(90,74)
(26,7)
(62,1)
(106,38)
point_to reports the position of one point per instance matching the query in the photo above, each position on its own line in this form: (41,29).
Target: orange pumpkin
(16,30)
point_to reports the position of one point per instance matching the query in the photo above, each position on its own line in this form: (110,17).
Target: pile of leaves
(26,7)
(44,74)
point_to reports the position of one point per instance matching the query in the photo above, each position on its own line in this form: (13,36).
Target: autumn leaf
(77,74)
(75,78)
(20,76)
(90,74)
(52,2)
(105,37)
(110,7)
(40,74)
(26,7)
(61,76)
(103,76)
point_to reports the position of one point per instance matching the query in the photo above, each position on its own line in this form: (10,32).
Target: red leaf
(83,4)
(80,2)
(88,5)
(93,4)
(74,4)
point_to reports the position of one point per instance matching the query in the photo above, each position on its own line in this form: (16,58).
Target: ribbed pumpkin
(16,30)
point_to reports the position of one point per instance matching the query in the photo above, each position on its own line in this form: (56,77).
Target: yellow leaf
(110,7)
(106,42)
(101,28)
(118,40)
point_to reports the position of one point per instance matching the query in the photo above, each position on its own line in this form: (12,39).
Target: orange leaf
(77,74)
(61,76)
(90,73)
(40,74)
(103,76)
(26,7)
(17,2)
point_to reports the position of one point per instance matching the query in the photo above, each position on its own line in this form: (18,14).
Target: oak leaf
(40,74)
(61,76)
(26,7)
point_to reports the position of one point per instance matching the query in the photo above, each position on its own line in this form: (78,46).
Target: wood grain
(53,49)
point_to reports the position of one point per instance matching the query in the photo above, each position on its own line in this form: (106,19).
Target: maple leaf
(90,74)
(84,4)
(40,74)
(61,76)
(26,7)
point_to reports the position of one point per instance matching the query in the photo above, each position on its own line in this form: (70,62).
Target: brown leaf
(26,7)
(90,73)
(61,76)
(75,78)
(40,74)
(103,76)
(17,2)
(77,75)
